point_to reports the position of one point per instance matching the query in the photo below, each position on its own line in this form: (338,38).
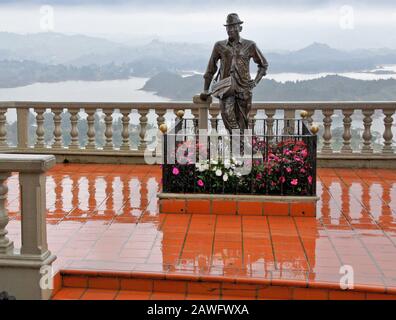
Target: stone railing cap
(26,163)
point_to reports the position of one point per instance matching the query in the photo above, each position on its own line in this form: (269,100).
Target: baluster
(109,129)
(57,129)
(161,116)
(91,130)
(159,147)
(23,128)
(195,113)
(310,113)
(346,147)
(213,120)
(143,125)
(74,144)
(125,130)
(327,131)
(40,129)
(388,121)
(270,122)
(3,131)
(252,114)
(367,121)
(6,246)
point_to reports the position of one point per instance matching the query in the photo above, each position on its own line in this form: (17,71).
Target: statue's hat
(233,18)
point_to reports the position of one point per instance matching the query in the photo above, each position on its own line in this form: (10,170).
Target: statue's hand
(204,95)
(252,84)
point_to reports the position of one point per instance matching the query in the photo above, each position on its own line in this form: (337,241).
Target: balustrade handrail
(297,105)
(205,111)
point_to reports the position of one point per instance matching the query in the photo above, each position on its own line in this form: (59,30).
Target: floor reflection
(106,217)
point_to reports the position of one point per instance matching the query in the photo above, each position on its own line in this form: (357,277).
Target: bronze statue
(234,88)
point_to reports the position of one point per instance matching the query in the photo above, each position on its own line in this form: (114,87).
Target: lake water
(129,91)
(81,91)
(292,76)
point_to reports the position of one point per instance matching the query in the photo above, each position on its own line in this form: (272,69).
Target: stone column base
(27,277)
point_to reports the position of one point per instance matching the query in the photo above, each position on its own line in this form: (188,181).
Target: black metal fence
(277,157)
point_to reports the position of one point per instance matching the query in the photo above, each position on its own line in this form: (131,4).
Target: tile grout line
(272,244)
(302,243)
(184,240)
(213,243)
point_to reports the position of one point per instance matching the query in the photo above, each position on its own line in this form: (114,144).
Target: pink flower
(200,183)
(288,169)
(304,153)
(175,171)
(298,159)
(282,179)
(310,179)
(294,182)
(302,170)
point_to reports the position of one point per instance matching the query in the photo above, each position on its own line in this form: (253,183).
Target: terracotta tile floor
(105,217)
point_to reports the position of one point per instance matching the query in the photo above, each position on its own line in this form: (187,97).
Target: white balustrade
(201,111)
(26,266)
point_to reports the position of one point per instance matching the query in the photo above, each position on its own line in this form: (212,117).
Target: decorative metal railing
(271,159)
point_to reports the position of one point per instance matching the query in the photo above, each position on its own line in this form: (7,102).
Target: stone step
(95,285)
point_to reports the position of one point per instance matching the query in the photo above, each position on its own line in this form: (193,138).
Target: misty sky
(276,24)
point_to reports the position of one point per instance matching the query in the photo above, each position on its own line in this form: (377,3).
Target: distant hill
(320,57)
(329,88)
(157,56)
(52,48)
(21,73)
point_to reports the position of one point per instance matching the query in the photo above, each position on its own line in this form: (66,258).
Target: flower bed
(285,169)
(278,165)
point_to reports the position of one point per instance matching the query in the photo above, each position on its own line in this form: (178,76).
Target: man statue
(235,82)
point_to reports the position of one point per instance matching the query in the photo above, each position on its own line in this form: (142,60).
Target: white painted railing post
(26,268)
(327,148)
(23,128)
(203,107)
(388,135)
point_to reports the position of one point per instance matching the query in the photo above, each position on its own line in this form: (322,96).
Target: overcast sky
(276,24)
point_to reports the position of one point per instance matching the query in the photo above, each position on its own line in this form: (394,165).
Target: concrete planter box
(223,204)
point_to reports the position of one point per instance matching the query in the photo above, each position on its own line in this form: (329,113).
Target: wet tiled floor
(105,217)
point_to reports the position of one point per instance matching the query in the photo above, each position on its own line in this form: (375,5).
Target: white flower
(238,174)
(230,173)
(225,177)
(227,164)
(218,172)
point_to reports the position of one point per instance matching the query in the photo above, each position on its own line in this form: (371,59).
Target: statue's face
(233,31)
